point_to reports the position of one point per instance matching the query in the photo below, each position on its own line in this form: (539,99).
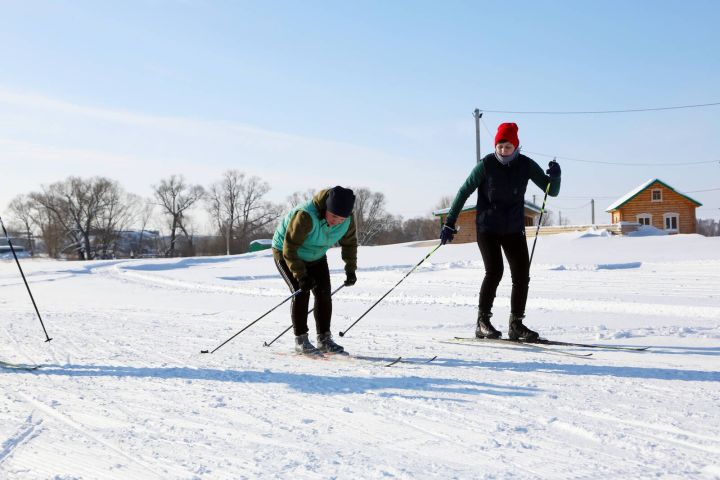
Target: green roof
(641,188)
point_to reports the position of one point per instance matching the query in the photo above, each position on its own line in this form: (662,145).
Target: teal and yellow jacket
(305,236)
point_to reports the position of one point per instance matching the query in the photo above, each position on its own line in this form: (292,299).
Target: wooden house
(466,221)
(658,204)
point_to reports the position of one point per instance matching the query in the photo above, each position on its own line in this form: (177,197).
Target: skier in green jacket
(299,247)
(501,179)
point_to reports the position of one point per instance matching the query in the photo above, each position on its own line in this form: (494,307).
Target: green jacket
(501,193)
(305,236)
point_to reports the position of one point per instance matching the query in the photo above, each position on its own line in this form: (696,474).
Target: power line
(627,164)
(553,205)
(630,110)
(706,190)
(589,195)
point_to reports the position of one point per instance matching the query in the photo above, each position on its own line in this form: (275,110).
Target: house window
(657,195)
(671,221)
(644,219)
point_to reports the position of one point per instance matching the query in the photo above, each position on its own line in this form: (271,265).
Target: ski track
(29,429)
(647,282)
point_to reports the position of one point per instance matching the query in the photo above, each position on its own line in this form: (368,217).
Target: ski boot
(484,328)
(304,347)
(519,332)
(326,344)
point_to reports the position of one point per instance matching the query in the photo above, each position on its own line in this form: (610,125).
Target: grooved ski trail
(124,393)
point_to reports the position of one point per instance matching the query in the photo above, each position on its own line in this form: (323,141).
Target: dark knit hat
(340,201)
(508,132)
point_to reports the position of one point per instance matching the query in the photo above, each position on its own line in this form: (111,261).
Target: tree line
(708,227)
(92,218)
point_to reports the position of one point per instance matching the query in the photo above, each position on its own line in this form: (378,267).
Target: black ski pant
(515,247)
(322,310)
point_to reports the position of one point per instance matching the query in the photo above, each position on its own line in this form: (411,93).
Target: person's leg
(323,306)
(323,301)
(516,252)
(491,253)
(299,305)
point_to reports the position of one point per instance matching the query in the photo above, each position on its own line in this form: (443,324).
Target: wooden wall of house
(466,222)
(468,231)
(671,203)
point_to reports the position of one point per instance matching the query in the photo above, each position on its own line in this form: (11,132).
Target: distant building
(6,252)
(260,244)
(20,243)
(658,204)
(136,244)
(466,221)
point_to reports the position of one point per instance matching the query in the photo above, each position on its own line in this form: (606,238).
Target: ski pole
(342,334)
(266,344)
(253,322)
(47,337)
(542,211)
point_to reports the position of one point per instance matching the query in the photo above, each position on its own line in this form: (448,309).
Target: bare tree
(298,198)
(255,213)
(175,197)
(421,229)
(708,227)
(76,204)
(224,203)
(547,219)
(237,206)
(370,215)
(52,230)
(21,208)
(144,214)
(118,212)
(444,202)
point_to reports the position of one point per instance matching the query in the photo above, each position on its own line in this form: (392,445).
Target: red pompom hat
(507,132)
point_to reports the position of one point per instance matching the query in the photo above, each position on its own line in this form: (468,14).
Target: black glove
(448,232)
(553,169)
(350,279)
(307,283)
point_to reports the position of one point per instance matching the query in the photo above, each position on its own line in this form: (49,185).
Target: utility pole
(592,203)
(477,114)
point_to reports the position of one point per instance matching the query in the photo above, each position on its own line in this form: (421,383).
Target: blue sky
(376,94)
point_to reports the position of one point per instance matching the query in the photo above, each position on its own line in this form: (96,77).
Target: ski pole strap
(266,344)
(253,322)
(342,334)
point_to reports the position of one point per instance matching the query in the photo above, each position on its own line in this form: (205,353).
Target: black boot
(326,344)
(484,328)
(304,347)
(519,332)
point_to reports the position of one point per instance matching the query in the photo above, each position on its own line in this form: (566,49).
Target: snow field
(124,392)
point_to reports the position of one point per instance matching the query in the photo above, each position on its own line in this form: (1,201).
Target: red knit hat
(507,132)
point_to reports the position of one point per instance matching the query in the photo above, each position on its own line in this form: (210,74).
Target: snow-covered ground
(124,392)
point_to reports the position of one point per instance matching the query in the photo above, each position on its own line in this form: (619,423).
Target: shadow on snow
(299,382)
(587,370)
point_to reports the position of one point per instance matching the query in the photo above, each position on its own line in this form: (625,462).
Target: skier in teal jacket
(299,246)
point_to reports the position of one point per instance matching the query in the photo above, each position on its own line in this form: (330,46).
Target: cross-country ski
(18,366)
